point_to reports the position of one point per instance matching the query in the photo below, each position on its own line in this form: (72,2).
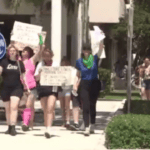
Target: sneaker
(74,127)
(8,131)
(13,131)
(25,128)
(87,132)
(92,128)
(67,126)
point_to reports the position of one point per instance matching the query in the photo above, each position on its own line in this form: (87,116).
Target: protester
(87,67)
(47,94)
(65,98)
(30,59)
(12,70)
(147,77)
(140,69)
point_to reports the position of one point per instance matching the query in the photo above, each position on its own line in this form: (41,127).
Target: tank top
(29,75)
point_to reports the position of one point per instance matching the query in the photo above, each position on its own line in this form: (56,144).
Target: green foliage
(70,4)
(105,75)
(129,131)
(138,107)
(35,2)
(141,29)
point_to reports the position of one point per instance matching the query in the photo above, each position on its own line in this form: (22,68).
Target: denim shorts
(65,92)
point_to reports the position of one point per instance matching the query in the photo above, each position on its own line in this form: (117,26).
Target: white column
(79,30)
(58,29)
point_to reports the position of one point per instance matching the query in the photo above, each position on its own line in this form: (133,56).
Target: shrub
(128,131)
(138,107)
(105,76)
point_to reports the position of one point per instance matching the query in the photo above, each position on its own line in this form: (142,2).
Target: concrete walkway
(61,138)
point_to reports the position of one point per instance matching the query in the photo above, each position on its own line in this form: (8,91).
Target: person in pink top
(29,59)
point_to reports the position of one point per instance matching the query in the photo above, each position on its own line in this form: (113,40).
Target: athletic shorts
(6,93)
(45,91)
(147,84)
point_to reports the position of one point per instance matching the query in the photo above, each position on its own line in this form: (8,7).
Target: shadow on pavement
(102,118)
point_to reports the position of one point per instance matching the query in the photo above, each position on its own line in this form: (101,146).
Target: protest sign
(2,46)
(26,33)
(97,36)
(20,46)
(57,76)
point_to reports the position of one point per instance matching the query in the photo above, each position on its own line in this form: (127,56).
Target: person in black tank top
(12,88)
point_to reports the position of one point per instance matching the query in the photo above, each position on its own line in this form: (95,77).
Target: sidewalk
(61,138)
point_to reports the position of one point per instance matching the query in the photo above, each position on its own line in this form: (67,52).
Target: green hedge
(105,75)
(128,131)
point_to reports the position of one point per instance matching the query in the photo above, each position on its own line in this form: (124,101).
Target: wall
(106,11)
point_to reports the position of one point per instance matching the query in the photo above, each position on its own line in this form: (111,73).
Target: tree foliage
(141,38)
(70,4)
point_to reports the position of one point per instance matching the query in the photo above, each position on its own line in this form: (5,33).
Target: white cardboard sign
(26,33)
(57,76)
(97,36)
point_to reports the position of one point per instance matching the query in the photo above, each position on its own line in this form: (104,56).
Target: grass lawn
(122,94)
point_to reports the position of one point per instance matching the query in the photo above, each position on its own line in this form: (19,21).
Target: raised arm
(101,46)
(38,54)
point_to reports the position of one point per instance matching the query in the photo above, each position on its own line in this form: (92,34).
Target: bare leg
(50,114)
(44,107)
(7,112)
(14,102)
(62,104)
(147,94)
(50,109)
(143,93)
(76,113)
(67,108)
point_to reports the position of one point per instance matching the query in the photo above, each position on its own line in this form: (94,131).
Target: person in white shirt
(47,94)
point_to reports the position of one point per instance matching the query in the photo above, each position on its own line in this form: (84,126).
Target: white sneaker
(87,132)
(92,128)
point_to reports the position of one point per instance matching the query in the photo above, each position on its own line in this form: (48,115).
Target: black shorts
(45,91)
(6,93)
(147,84)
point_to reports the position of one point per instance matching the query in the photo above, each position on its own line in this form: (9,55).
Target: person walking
(12,89)
(87,67)
(147,77)
(30,93)
(47,94)
(65,98)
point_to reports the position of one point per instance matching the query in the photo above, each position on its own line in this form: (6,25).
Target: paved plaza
(61,139)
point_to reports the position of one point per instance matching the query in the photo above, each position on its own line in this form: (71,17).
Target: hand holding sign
(2,46)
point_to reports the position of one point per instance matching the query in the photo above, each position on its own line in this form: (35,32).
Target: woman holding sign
(11,70)
(30,59)
(87,67)
(47,94)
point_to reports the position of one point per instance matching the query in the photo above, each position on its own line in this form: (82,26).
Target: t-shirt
(88,74)
(11,73)
(30,70)
(41,64)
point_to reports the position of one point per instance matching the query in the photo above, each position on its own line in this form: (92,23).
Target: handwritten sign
(97,36)
(20,46)
(26,33)
(57,76)
(2,46)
